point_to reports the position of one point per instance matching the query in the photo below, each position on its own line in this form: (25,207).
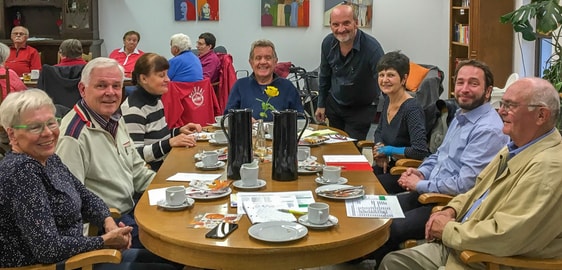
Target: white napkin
(188,177)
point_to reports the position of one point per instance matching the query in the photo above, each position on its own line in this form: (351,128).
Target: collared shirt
(352,79)
(472,140)
(513,150)
(23,60)
(108,125)
(126,60)
(65,62)
(211,66)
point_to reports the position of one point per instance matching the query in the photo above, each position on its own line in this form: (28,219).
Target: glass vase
(260,147)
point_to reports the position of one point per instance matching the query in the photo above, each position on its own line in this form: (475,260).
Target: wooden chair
(84,261)
(493,262)
(4,143)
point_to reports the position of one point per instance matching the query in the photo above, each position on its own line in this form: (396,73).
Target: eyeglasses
(508,106)
(19,34)
(37,128)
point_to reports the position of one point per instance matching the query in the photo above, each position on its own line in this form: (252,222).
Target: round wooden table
(169,235)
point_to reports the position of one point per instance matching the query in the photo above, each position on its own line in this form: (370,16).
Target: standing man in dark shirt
(349,89)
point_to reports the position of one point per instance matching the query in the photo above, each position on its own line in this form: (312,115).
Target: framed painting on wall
(208,10)
(363,10)
(185,10)
(285,13)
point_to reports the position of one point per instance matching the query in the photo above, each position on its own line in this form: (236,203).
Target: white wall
(418,28)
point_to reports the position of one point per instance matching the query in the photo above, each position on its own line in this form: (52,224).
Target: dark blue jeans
(139,259)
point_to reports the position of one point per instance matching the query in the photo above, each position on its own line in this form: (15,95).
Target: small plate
(217,125)
(207,194)
(188,203)
(203,136)
(332,221)
(240,185)
(278,231)
(212,141)
(358,194)
(199,165)
(320,181)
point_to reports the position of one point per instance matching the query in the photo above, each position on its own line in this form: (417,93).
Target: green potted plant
(548,18)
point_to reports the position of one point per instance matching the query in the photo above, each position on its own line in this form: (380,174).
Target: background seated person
(144,113)
(128,54)
(184,66)
(15,82)
(246,91)
(42,204)
(401,129)
(209,60)
(514,208)
(70,51)
(23,58)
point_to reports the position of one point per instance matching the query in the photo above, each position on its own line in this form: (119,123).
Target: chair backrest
(227,78)
(61,83)
(6,89)
(190,102)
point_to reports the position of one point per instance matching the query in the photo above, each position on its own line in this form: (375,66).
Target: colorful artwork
(185,10)
(285,13)
(208,10)
(363,10)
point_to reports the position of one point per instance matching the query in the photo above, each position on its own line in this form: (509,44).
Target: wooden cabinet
(52,21)
(476,33)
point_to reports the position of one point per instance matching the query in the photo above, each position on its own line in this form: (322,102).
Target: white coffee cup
(175,195)
(318,213)
(34,74)
(249,174)
(331,174)
(218,119)
(303,153)
(210,158)
(220,137)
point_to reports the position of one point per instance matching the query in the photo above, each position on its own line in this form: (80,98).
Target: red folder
(352,166)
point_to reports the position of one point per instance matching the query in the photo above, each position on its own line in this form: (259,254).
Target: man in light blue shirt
(474,137)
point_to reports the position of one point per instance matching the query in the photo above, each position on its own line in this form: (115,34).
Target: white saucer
(199,165)
(218,125)
(332,221)
(188,203)
(240,185)
(277,231)
(341,181)
(212,141)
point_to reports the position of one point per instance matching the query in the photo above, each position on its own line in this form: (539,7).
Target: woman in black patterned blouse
(42,204)
(401,129)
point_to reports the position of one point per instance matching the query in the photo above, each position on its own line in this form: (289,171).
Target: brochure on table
(188,177)
(265,206)
(374,206)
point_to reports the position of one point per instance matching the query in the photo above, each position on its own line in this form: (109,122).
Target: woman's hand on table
(183,140)
(191,128)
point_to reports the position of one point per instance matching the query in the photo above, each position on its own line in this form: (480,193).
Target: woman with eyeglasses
(42,204)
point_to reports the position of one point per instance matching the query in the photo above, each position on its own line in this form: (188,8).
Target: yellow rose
(271,91)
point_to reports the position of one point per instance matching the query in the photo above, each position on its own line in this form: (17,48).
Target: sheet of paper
(259,212)
(344,158)
(320,132)
(188,177)
(296,200)
(374,206)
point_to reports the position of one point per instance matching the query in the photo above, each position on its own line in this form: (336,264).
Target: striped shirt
(144,115)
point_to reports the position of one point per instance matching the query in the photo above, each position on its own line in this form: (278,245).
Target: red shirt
(65,62)
(23,60)
(127,61)
(16,84)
